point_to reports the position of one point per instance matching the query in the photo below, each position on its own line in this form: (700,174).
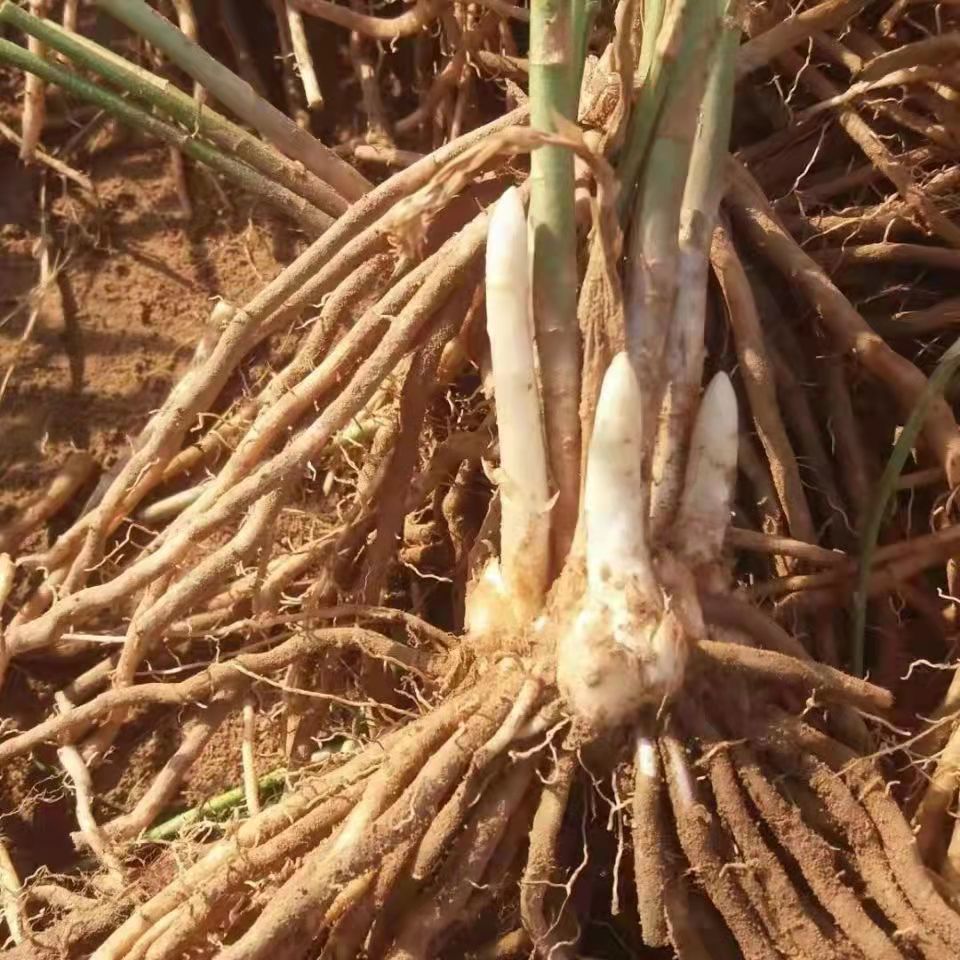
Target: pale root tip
(612,502)
(508,228)
(720,399)
(620,390)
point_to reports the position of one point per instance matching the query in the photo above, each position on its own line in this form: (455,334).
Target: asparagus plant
(586,660)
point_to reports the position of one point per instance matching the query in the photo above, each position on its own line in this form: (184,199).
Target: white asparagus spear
(623,650)
(523,482)
(614,516)
(711,473)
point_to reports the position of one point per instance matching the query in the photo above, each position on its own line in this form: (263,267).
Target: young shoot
(624,649)
(522,477)
(711,473)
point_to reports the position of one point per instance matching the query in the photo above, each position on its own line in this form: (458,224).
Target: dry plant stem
(879,221)
(464,870)
(282,413)
(388,156)
(838,258)
(788,909)
(932,814)
(441,832)
(845,324)
(919,323)
(407,24)
(163,602)
(203,905)
(57,166)
(70,10)
(938,50)
(456,259)
(815,857)
(239,97)
(168,99)
(389,813)
(950,870)
(414,398)
(898,842)
(292,89)
(79,774)
(459,258)
(554,272)
(763,494)
(236,37)
(795,401)
(378,127)
(8,573)
(34,93)
(830,683)
(794,31)
(844,808)
(248,748)
(755,542)
(72,475)
(304,58)
(282,831)
(357,294)
(848,442)
(759,380)
(729,611)
(162,790)
(314,220)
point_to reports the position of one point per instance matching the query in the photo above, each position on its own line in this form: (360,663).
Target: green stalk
(217,808)
(652,22)
(296,207)
(654,237)
(585,14)
(689,29)
(553,73)
(939,380)
(708,161)
(702,192)
(174,103)
(238,96)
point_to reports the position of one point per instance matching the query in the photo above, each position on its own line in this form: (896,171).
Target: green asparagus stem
(179,106)
(306,214)
(553,74)
(238,96)
(943,373)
